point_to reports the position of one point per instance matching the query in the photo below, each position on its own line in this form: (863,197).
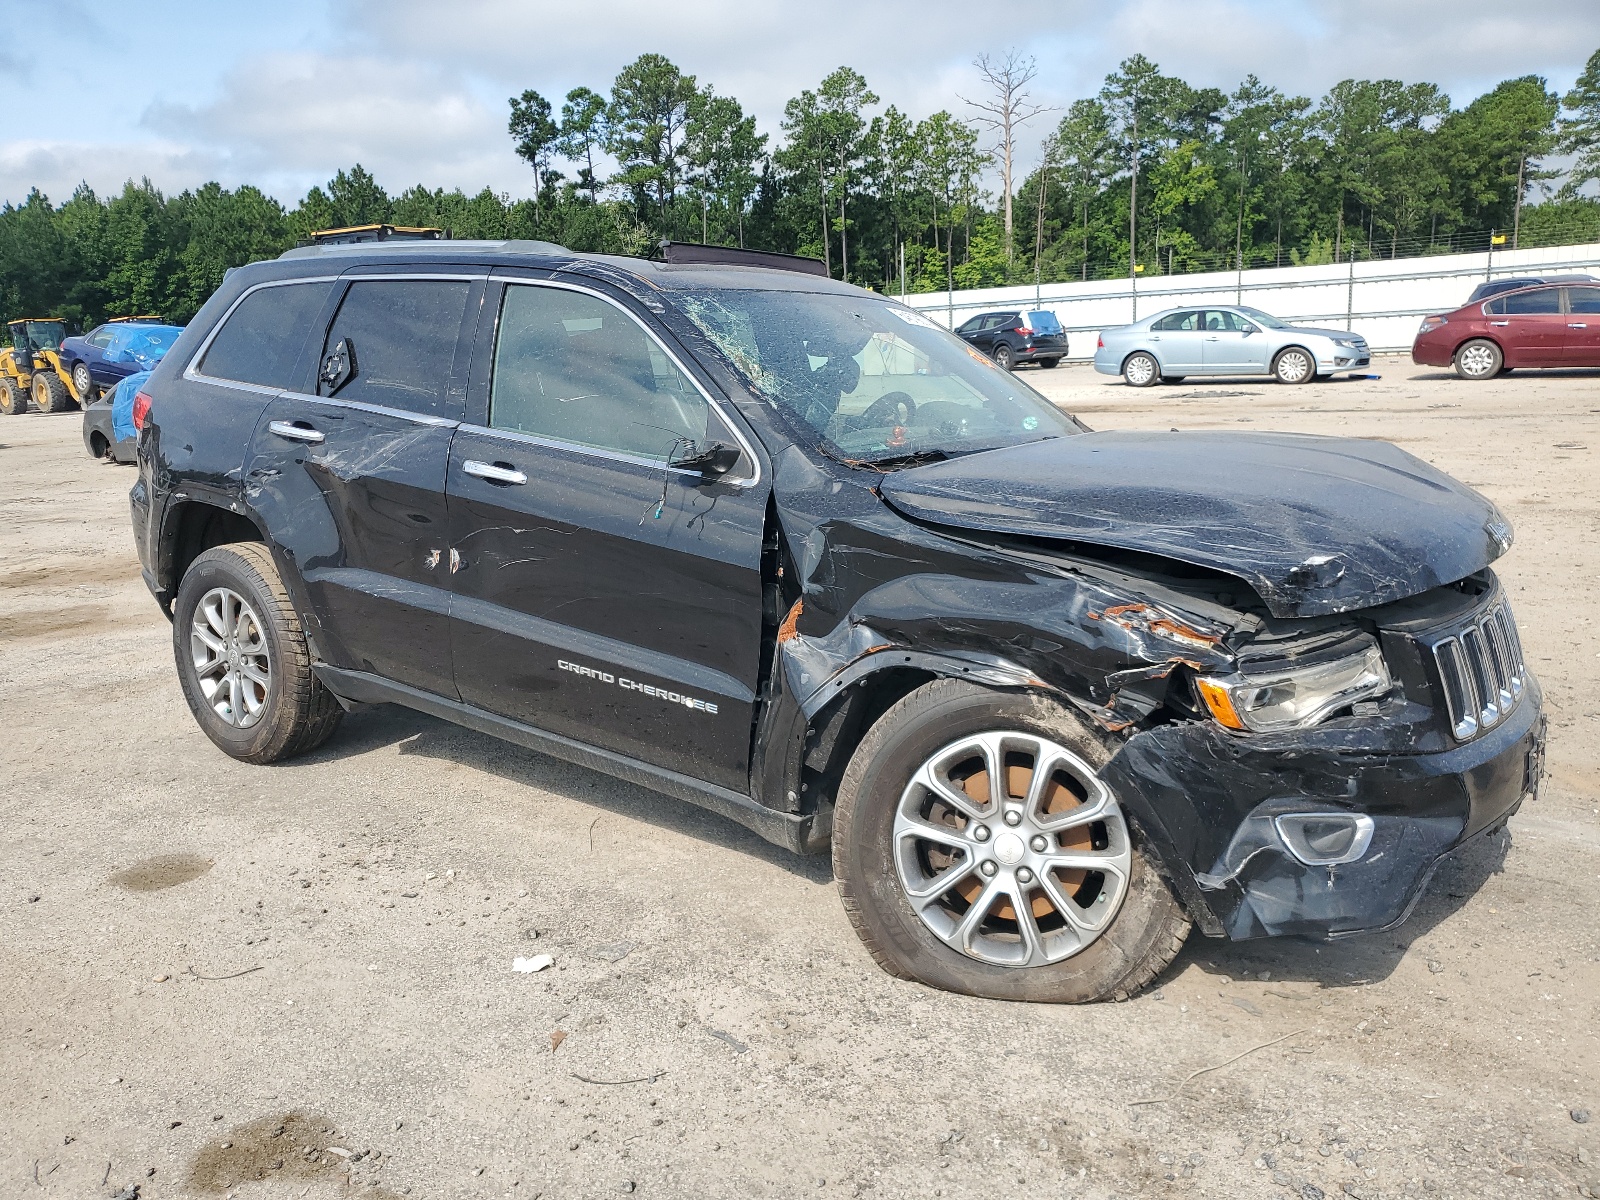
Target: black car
(1511,283)
(1013,337)
(788,550)
(99,435)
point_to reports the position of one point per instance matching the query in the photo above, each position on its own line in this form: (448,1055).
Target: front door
(351,481)
(598,592)
(1530,326)
(1232,345)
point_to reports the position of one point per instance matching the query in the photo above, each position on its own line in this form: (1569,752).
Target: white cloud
(56,168)
(287,120)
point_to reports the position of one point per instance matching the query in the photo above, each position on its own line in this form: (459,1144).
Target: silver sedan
(1219,340)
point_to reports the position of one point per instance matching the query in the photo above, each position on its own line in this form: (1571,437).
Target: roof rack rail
(376,233)
(692,253)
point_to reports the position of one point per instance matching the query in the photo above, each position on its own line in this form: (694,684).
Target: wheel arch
(1282,350)
(1123,365)
(191,527)
(1478,337)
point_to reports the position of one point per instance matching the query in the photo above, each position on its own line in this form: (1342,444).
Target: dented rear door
(351,481)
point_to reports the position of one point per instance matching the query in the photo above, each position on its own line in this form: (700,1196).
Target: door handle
(1213,339)
(493,472)
(1578,325)
(297,432)
(1499,322)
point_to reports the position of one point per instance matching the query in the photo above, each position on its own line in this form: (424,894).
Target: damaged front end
(1300,771)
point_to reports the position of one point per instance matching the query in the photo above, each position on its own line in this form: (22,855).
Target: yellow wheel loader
(31,367)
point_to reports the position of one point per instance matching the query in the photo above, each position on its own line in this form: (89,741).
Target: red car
(1553,325)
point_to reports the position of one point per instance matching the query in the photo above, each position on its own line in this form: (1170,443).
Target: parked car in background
(1012,337)
(108,353)
(1553,325)
(1493,287)
(108,430)
(1225,340)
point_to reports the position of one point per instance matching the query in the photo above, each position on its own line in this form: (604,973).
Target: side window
(261,340)
(970,326)
(399,343)
(574,368)
(100,338)
(1183,322)
(1540,300)
(1583,300)
(1220,321)
(1495,308)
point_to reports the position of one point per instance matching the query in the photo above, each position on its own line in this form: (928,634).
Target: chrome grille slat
(1481,672)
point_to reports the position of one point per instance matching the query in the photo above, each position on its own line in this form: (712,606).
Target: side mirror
(1249,329)
(711,461)
(338,368)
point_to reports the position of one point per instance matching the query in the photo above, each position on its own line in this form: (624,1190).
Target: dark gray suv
(788,550)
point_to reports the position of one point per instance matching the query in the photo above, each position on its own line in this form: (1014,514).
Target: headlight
(1344,343)
(1293,699)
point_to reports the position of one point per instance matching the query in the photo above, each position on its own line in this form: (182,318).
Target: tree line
(1149,176)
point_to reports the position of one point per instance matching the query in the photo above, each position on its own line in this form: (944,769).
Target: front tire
(1140,370)
(1479,359)
(1002,357)
(1173,378)
(243,661)
(49,393)
(1294,366)
(1037,888)
(83,384)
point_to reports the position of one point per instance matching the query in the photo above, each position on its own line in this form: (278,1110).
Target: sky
(282,95)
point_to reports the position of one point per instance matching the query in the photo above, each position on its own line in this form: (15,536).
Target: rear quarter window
(260,340)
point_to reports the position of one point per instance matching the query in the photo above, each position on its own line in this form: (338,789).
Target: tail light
(141,409)
(1099,342)
(1024,331)
(1429,324)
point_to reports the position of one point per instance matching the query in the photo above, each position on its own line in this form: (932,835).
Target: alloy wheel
(81,381)
(1140,370)
(1011,850)
(231,662)
(1477,361)
(1294,366)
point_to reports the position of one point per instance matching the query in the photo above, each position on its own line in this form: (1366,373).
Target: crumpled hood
(1314,524)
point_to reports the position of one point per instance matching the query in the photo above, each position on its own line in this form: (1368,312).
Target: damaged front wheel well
(834,733)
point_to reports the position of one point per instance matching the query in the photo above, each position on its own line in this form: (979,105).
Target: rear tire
(1141,370)
(1049,364)
(1294,366)
(49,393)
(1108,952)
(243,661)
(13,400)
(98,446)
(83,384)
(1479,359)
(1173,378)
(1002,357)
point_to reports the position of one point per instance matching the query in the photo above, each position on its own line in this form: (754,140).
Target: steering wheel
(885,411)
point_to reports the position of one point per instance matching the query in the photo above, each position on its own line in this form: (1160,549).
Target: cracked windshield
(875,381)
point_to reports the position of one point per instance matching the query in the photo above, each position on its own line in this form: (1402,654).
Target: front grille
(1481,671)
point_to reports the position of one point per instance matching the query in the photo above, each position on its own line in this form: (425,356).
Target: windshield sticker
(912,317)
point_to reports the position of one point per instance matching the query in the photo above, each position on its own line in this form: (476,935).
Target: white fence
(1382,300)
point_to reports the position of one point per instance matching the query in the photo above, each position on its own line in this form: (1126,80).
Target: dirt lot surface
(303,972)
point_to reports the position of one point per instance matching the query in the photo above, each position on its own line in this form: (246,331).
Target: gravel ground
(215,971)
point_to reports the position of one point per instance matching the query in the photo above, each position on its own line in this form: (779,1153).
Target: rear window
(401,335)
(260,341)
(1043,322)
(1540,300)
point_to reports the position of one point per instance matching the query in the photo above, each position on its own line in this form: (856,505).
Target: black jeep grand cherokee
(781,547)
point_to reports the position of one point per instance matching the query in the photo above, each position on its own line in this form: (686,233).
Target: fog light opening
(1325,839)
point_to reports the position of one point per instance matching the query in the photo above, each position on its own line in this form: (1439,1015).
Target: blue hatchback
(109,353)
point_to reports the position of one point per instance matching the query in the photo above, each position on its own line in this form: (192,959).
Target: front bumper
(1209,800)
(1340,359)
